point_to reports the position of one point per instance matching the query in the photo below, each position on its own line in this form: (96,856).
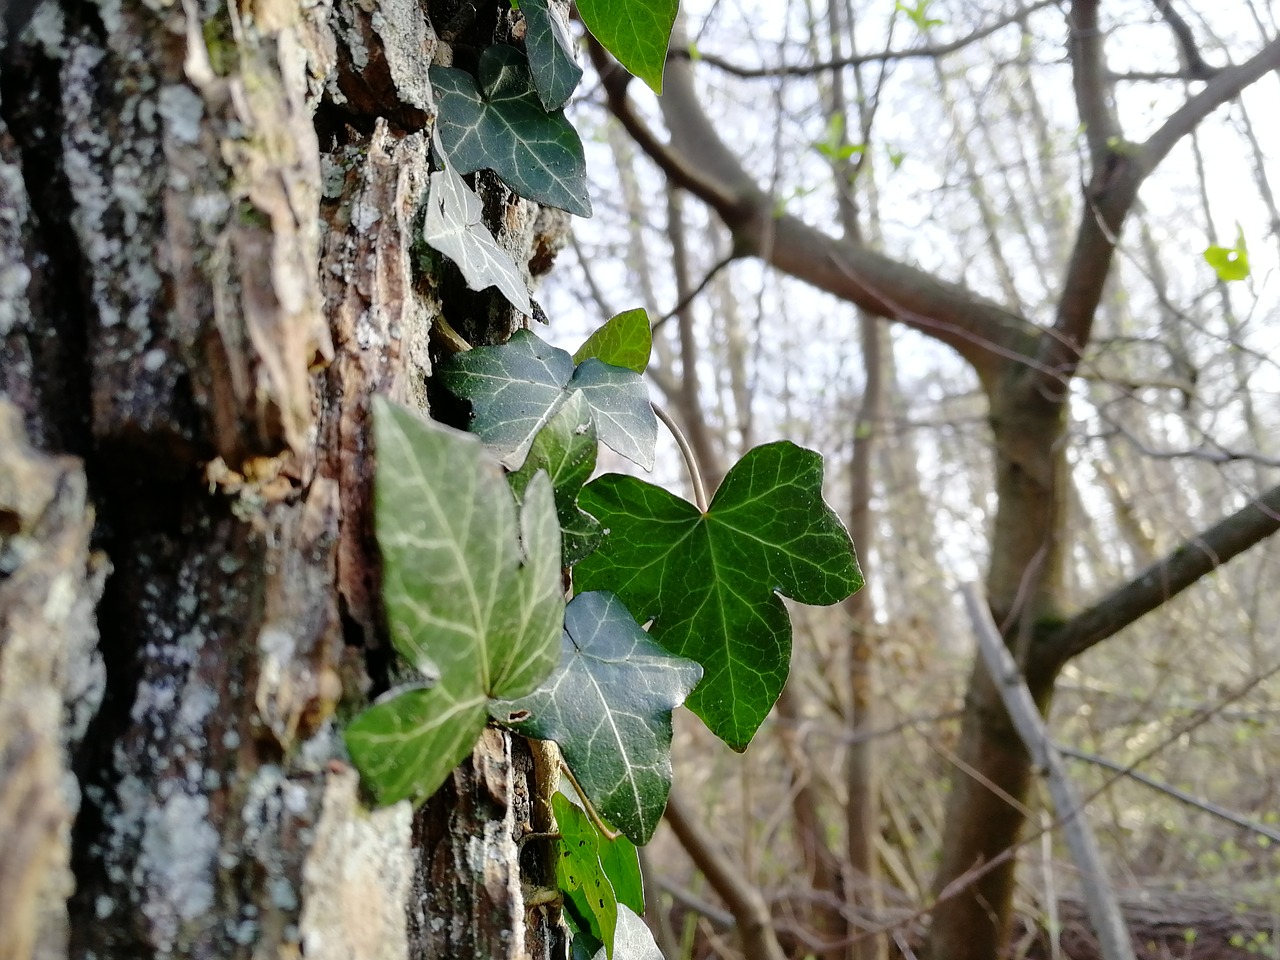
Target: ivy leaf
(1230,263)
(505,129)
(632,940)
(555,69)
(566,449)
(621,864)
(472,594)
(454,227)
(711,583)
(620,409)
(624,341)
(517,387)
(583,877)
(608,705)
(637,32)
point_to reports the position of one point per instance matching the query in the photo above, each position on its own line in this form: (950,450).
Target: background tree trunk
(209,263)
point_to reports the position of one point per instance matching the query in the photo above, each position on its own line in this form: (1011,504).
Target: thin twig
(1207,806)
(689,297)
(450,339)
(690,461)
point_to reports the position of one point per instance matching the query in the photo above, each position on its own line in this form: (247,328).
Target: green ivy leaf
(711,583)
(566,449)
(591,898)
(624,341)
(1230,263)
(517,387)
(555,69)
(453,226)
(621,864)
(505,129)
(608,705)
(637,32)
(475,602)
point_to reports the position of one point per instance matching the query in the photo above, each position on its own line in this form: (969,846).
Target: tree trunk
(208,265)
(1024,586)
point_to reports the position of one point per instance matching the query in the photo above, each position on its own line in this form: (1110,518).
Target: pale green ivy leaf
(637,32)
(473,597)
(608,706)
(454,227)
(551,58)
(625,340)
(501,125)
(517,387)
(1230,263)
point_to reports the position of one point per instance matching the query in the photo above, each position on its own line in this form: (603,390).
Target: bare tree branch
(1213,809)
(695,157)
(1194,62)
(1089,77)
(1224,86)
(1119,168)
(1167,578)
(1151,76)
(933,50)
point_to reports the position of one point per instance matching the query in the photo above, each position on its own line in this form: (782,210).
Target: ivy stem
(450,339)
(588,806)
(690,461)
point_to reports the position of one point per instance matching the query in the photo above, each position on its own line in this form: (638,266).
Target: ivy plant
(482,531)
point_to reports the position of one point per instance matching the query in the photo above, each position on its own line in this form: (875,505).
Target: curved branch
(697,159)
(1158,583)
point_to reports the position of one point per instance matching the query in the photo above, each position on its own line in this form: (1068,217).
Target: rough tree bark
(208,265)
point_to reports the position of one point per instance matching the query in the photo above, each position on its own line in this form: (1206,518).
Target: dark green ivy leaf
(472,593)
(505,129)
(555,69)
(624,341)
(608,705)
(711,583)
(566,449)
(637,32)
(517,387)
(582,945)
